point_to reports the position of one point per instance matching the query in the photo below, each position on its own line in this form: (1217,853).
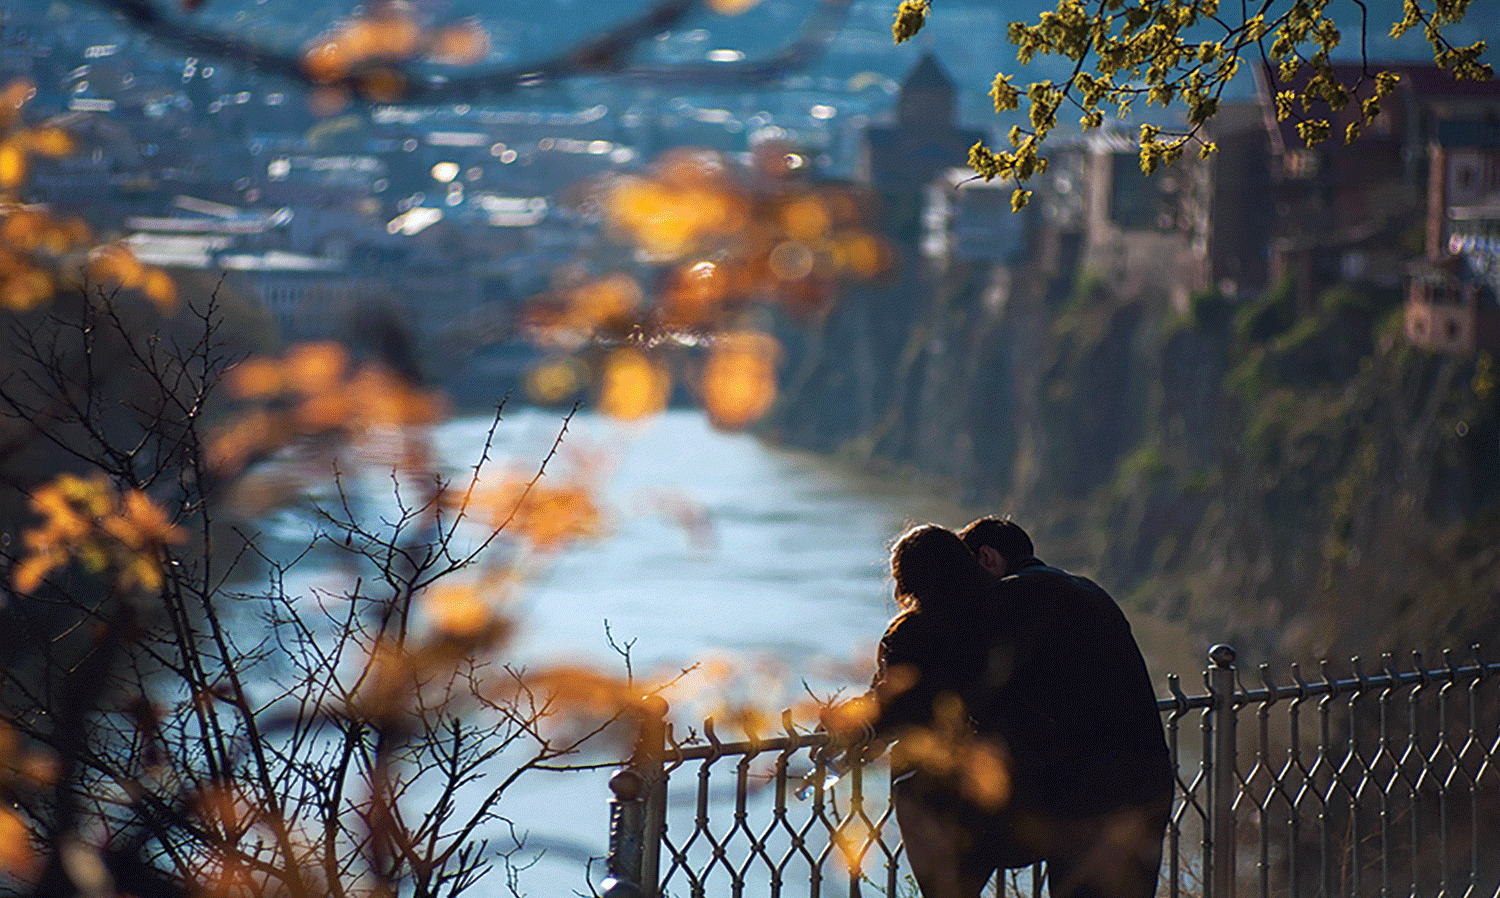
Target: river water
(718,550)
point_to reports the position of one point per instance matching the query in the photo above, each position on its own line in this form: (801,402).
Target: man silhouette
(1069,692)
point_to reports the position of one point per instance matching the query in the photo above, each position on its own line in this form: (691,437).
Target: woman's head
(935,571)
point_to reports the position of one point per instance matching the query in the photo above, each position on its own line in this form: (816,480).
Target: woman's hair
(935,571)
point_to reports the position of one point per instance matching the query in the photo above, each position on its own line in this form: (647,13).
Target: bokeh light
(712,239)
(633,385)
(739,379)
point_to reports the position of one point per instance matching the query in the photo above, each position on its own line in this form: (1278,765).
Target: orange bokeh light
(739,379)
(633,385)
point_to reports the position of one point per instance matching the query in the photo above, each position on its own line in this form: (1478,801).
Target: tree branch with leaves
(1183,55)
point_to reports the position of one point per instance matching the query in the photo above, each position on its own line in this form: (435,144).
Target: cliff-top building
(923,141)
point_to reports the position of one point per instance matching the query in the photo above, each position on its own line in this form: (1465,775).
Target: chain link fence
(1348,782)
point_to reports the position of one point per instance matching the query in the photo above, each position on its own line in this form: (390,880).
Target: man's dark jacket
(1069,691)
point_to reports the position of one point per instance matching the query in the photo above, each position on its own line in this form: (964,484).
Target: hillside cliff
(1297,481)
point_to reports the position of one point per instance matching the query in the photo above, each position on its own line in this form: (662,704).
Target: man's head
(999,543)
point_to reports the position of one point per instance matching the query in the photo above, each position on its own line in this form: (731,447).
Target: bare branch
(603,55)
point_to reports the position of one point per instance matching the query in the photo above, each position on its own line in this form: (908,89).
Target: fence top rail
(1387,679)
(709,746)
(677,753)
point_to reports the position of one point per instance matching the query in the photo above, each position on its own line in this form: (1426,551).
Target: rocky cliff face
(1297,481)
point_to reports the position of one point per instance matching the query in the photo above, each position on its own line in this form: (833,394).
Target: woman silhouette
(949,783)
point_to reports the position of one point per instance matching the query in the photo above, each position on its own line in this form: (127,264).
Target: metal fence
(1345,783)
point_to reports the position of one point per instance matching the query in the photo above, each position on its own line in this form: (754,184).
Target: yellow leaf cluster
(17,856)
(581,690)
(731,243)
(19,143)
(311,391)
(911,15)
(667,220)
(40,251)
(21,770)
(1186,52)
(728,239)
(694,294)
(546,517)
(113,266)
(573,315)
(363,49)
(948,748)
(555,379)
(465,611)
(88,521)
(731,7)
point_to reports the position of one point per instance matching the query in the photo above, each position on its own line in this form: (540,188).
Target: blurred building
(1355,212)
(924,139)
(1451,293)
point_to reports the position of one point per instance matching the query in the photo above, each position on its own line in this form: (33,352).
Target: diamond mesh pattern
(1348,784)
(1378,784)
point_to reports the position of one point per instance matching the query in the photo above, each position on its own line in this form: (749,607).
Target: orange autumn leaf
(554,380)
(390,36)
(557,516)
(16,94)
(806,218)
(546,516)
(696,295)
(849,718)
(114,265)
(324,411)
(22,229)
(140,524)
(463,44)
(598,303)
(583,690)
(467,611)
(160,289)
(13,165)
(327,61)
(256,378)
(248,435)
(313,368)
(382,85)
(984,776)
(16,854)
(48,141)
(88,521)
(25,287)
(381,399)
(731,7)
(864,255)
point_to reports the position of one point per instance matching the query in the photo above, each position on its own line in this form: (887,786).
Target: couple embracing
(1025,722)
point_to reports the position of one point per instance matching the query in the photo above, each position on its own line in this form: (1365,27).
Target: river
(721,551)
(718,550)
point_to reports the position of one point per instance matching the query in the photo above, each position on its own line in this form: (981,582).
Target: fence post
(626,815)
(1221,774)
(637,810)
(651,761)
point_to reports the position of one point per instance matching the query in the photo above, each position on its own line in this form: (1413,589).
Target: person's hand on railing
(852,741)
(851,722)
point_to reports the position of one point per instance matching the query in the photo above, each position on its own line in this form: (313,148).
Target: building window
(1302,163)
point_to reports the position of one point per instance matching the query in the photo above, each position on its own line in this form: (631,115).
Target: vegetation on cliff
(1300,481)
